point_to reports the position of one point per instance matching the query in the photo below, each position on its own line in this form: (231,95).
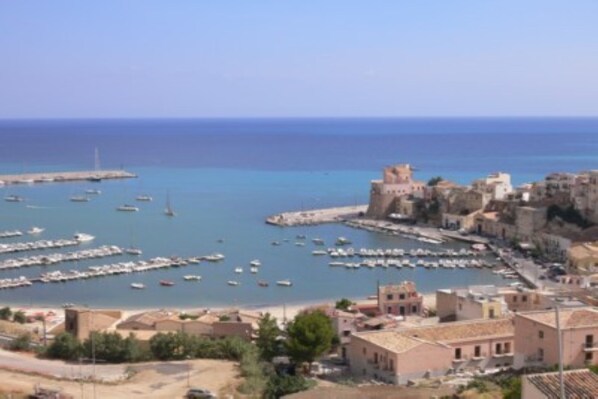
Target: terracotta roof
(578,384)
(149,318)
(462,331)
(405,286)
(569,318)
(390,340)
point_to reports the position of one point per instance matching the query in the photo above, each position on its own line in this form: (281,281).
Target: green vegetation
(185,316)
(434,181)
(178,346)
(224,318)
(111,347)
(568,215)
(65,346)
(343,304)
(256,373)
(21,343)
(267,338)
(19,317)
(5,313)
(281,385)
(310,335)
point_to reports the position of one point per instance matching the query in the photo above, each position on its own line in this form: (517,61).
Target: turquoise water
(223,185)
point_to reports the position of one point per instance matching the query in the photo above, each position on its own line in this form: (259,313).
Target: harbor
(38,245)
(57,177)
(317,216)
(55,258)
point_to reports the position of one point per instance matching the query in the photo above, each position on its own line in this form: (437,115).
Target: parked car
(199,393)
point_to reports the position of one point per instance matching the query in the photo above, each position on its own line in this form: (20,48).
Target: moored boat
(232,283)
(35,230)
(166,283)
(284,283)
(191,277)
(133,251)
(144,198)
(127,208)
(137,286)
(263,283)
(82,237)
(14,198)
(79,198)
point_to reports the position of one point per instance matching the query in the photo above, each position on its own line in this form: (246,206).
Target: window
(514,298)
(540,354)
(346,333)
(414,309)
(491,313)
(391,366)
(375,357)
(524,298)
(589,341)
(498,349)
(460,307)
(589,356)
(477,351)
(364,351)
(457,353)
(401,296)
(541,334)
(389,310)
(507,347)
(389,297)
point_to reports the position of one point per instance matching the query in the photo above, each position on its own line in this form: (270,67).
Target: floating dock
(317,216)
(50,177)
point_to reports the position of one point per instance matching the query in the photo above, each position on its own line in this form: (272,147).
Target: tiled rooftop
(578,384)
(390,340)
(569,318)
(462,331)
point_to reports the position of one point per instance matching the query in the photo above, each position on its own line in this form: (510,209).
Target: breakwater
(57,177)
(317,216)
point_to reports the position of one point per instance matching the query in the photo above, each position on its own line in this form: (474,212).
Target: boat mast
(97,160)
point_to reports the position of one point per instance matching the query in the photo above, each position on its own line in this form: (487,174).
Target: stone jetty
(49,177)
(317,216)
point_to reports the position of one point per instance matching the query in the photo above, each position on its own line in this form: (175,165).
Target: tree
(267,337)
(343,304)
(21,343)
(281,385)
(5,313)
(165,346)
(112,347)
(19,317)
(310,335)
(434,181)
(65,346)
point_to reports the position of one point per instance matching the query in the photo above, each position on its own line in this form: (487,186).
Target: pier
(51,259)
(37,245)
(51,177)
(317,216)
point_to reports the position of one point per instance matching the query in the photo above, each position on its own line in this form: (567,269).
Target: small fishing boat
(263,283)
(239,270)
(144,198)
(317,241)
(284,283)
(342,241)
(93,191)
(35,230)
(255,263)
(214,257)
(300,244)
(232,283)
(94,179)
(276,243)
(137,286)
(319,253)
(194,260)
(25,181)
(127,208)
(191,277)
(45,180)
(301,236)
(82,237)
(79,198)
(166,283)
(253,269)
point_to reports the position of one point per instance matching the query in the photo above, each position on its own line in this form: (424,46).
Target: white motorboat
(93,191)
(14,198)
(255,263)
(253,269)
(214,257)
(232,283)
(45,179)
(194,260)
(319,253)
(239,270)
(191,277)
(79,198)
(144,198)
(137,286)
(127,208)
(342,241)
(35,230)
(82,237)
(25,181)
(284,283)
(317,241)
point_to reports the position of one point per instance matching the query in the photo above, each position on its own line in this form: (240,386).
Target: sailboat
(168,210)
(96,178)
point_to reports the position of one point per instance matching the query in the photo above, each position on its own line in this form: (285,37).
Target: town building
(577,384)
(397,181)
(497,185)
(400,299)
(81,322)
(475,302)
(397,356)
(536,342)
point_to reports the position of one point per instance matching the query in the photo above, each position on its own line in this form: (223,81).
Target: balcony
(590,346)
(502,354)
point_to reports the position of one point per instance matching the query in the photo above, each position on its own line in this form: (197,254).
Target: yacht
(137,286)
(232,283)
(214,257)
(191,277)
(301,236)
(127,208)
(253,269)
(45,179)
(26,181)
(82,237)
(144,198)
(168,210)
(94,179)
(317,241)
(255,263)
(263,283)
(194,260)
(276,243)
(284,283)
(166,283)
(14,198)
(239,270)
(319,253)
(133,251)
(35,230)
(79,198)
(342,241)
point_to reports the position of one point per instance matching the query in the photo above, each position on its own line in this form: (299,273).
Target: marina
(57,177)
(11,233)
(55,258)
(38,245)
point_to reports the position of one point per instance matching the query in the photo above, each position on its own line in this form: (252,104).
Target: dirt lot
(151,380)
(371,392)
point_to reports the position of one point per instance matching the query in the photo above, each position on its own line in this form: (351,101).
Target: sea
(225,176)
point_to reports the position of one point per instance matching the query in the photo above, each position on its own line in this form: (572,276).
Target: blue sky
(290,58)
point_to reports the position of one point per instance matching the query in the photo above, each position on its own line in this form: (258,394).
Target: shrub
(19,317)
(65,346)
(21,343)
(5,313)
(281,385)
